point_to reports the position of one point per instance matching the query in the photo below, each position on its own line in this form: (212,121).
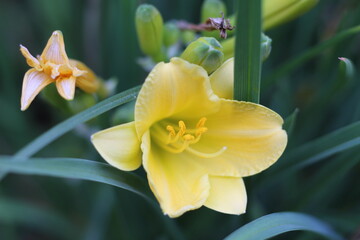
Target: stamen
(180,139)
(200,131)
(182,127)
(188,137)
(201,122)
(171,130)
(206,155)
(174,149)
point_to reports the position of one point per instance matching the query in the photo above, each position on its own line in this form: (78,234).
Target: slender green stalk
(64,127)
(247,51)
(292,64)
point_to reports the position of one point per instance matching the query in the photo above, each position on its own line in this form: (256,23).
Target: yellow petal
(30,59)
(252,135)
(34,81)
(119,146)
(55,50)
(66,87)
(227,195)
(87,81)
(178,184)
(222,80)
(177,89)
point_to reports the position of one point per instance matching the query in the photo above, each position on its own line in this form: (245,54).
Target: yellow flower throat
(180,138)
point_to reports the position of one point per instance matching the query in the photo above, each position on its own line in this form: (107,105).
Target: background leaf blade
(276,223)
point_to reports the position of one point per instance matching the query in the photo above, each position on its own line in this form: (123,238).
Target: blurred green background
(102,35)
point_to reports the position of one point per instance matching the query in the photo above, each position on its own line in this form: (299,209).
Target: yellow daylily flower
(53,65)
(194,146)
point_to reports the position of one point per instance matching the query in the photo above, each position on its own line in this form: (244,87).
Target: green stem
(247,51)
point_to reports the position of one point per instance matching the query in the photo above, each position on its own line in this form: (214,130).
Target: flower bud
(276,12)
(229,47)
(171,34)
(149,28)
(206,52)
(187,36)
(265,47)
(212,9)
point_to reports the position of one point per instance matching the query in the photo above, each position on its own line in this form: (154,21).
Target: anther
(201,122)
(188,137)
(171,130)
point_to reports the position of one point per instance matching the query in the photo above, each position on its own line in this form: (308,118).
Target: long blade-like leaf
(67,125)
(318,149)
(292,64)
(78,169)
(276,223)
(247,51)
(70,123)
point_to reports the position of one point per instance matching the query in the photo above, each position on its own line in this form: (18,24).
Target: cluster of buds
(205,43)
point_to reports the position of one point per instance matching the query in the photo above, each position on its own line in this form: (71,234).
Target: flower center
(180,138)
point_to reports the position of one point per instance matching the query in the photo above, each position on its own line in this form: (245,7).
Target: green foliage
(247,52)
(274,224)
(317,176)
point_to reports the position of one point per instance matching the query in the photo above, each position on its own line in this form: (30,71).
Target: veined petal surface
(55,50)
(177,182)
(119,146)
(66,87)
(30,59)
(227,195)
(177,89)
(252,135)
(34,81)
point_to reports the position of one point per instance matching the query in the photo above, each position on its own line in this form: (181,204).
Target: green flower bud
(206,52)
(265,47)
(187,36)
(212,9)
(229,47)
(149,28)
(171,34)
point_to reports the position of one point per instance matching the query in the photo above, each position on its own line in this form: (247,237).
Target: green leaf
(23,214)
(77,169)
(319,191)
(67,125)
(276,223)
(247,72)
(88,170)
(338,141)
(294,63)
